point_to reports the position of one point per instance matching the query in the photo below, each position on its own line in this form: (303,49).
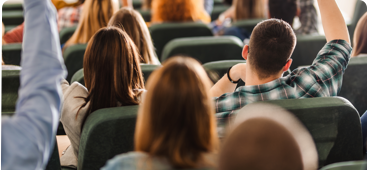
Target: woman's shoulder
(136,160)
(75,89)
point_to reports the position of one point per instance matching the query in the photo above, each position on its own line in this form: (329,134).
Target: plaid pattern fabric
(308,18)
(68,17)
(322,79)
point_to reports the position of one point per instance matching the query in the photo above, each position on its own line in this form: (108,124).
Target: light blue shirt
(28,137)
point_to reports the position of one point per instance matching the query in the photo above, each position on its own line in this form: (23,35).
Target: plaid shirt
(308,18)
(322,79)
(68,17)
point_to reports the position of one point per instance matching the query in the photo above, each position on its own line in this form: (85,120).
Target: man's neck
(253,79)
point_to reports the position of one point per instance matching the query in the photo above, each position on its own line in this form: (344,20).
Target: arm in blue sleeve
(28,136)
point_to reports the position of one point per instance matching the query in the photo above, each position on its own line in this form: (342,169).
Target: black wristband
(229,78)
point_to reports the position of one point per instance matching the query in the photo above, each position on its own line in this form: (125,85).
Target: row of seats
(353,87)
(103,136)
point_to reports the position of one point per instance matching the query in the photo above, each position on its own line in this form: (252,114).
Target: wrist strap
(229,78)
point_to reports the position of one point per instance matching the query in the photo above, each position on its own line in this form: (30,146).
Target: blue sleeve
(28,136)
(208,5)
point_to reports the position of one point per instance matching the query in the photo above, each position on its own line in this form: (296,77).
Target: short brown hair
(134,25)
(112,71)
(271,45)
(360,37)
(176,120)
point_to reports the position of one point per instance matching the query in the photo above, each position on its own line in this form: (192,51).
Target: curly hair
(179,11)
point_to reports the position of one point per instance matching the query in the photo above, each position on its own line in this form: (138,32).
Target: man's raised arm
(333,21)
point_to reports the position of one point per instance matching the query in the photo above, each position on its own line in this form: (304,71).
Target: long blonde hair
(179,11)
(134,25)
(95,15)
(360,37)
(178,125)
(248,9)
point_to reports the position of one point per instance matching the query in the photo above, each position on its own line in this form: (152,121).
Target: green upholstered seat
(12,53)
(66,33)
(218,2)
(146,14)
(106,133)
(354,87)
(73,57)
(205,49)
(12,7)
(10,86)
(352,165)
(248,24)
(137,4)
(217,69)
(359,10)
(217,10)
(165,32)
(54,160)
(13,17)
(307,49)
(334,125)
(147,69)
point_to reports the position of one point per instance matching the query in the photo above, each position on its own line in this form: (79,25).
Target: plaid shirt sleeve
(329,66)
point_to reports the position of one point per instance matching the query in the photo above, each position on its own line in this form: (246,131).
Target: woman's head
(133,24)
(147,4)
(178,10)
(112,71)
(248,9)
(95,15)
(360,37)
(176,120)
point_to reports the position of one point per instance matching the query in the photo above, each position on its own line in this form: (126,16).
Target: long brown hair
(179,11)
(176,120)
(360,37)
(112,71)
(95,15)
(248,9)
(133,24)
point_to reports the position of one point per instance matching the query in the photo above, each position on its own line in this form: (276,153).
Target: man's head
(271,46)
(283,9)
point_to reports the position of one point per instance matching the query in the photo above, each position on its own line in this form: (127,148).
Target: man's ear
(245,52)
(287,65)
(298,11)
(269,16)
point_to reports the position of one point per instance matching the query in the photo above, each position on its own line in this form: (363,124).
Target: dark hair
(360,37)
(112,71)
(271,45)
(283,9)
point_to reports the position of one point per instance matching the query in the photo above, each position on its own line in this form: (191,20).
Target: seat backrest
(12,53)
(359,10)
(10,86)
(334,124)
(248,24)
(354,83)
(13,17)
(352,165)
(12,7)
(217,10)
(137,4)
(146,14)
(66,33)
(106,133)
(217,69)
(54,160)
(307,49)
(147,69)
(205,49)
(165,32)
(73,58)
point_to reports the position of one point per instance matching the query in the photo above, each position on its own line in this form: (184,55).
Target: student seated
(133,24)
(265,137)
(112,78)
(268,56)
(308,17)
(360,38)
(95,15)
(175,129)
(28,137)
(179,11)
(69,16)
